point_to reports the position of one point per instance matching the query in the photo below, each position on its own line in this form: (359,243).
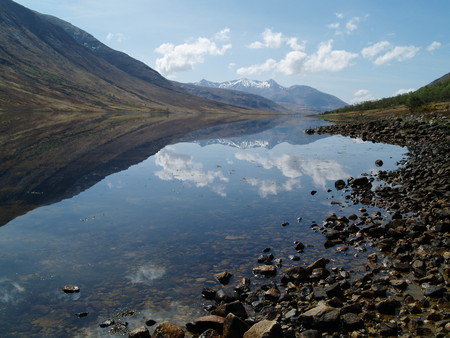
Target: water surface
(149,238)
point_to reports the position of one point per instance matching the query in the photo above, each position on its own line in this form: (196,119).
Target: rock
(322,317)
(202,324)
(388,306)
(373,258)
(434,291)
(299,246)
(379,163)
(320,263)
(167,330)
(310,334)
(399,283)
(234,327)
(265,270)
(223,277)
(265,259)
(106,323)
(70,289)
(150,322)
(236,308)
(226,295)
(388,329)
(334,290)
(273,294)
(140,332)
(81,314)
(210,333)
(209,293)
(339,184)
(265,329)
(351,321)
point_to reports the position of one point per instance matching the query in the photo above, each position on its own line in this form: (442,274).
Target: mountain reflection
(48,157)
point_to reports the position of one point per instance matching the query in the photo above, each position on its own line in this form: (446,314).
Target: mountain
(295,98)
(233,97)
(48,64)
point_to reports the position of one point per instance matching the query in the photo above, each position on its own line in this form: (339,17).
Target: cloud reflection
(146,274)
(292,167)
(10,292)
(271,187)
(182,167)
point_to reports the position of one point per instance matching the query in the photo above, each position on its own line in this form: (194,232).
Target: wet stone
(434,291)
(202,324)
(140,332)
(265,270)
(223,277)
(168,330)
(70,289)
(265,328)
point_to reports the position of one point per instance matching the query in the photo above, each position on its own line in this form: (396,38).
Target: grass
(429,111)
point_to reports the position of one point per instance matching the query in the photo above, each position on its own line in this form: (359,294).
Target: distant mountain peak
(297,98)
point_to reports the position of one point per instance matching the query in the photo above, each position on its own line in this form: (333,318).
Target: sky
(357,50)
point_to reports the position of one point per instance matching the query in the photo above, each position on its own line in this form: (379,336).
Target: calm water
(149,238)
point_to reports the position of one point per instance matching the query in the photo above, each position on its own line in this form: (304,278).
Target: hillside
(234,97)
(432,97)
(299,99)
(46,64)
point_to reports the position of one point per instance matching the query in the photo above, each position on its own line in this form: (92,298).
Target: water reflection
(150,237)
(182,167)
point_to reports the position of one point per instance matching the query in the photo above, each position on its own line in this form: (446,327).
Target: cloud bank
(384,52)
(298,62)
(183,57)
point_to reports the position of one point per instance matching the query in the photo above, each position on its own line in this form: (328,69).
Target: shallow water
(150,237)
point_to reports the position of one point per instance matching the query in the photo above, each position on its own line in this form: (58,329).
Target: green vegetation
(415,101)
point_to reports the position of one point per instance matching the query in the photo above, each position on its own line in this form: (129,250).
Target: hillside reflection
(48,157)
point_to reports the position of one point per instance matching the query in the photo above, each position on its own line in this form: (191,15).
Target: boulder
(265,270)
(167,330)
(265,329)
(140,332)
(202,324)
(234,327)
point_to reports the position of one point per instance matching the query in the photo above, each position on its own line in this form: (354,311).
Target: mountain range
(294,98)
(48,64)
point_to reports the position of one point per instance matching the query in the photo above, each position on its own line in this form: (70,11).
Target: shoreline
(405,290)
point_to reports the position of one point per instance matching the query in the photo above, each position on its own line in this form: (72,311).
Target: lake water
(149,238)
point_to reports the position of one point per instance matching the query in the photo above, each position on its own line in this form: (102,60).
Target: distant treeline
(436,92)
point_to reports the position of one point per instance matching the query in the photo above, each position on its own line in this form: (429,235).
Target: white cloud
(298,62)
(327,59)
(433,46)
(375,49)
(335,25)
(267,66)
(350,26)
(361,95)
(118,37)
(182,167)
(223,35)
(275,40)
(397,53)
(403,91)
(183,57)
(270,40)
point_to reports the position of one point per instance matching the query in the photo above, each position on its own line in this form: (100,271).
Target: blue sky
(356,50)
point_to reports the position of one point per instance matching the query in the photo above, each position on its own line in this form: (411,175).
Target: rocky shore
(405,288)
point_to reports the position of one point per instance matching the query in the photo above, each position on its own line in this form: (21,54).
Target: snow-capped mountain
(295,98)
